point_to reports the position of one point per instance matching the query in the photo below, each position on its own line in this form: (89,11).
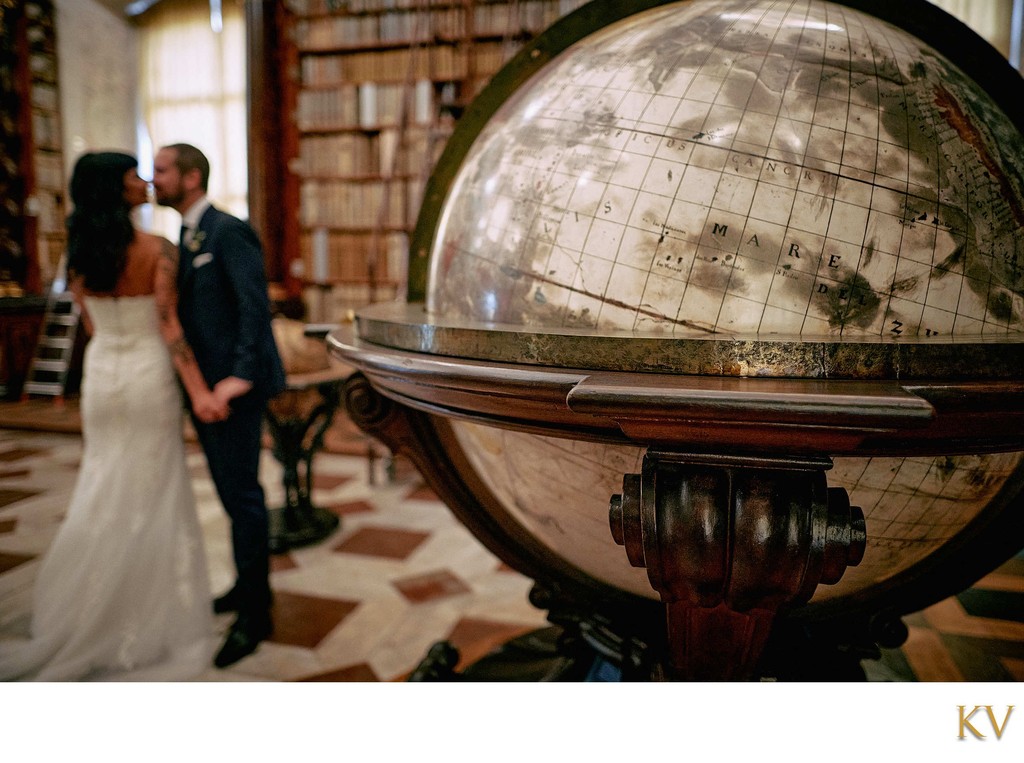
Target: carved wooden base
(728,542)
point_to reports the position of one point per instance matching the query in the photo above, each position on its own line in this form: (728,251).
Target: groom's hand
(228,388)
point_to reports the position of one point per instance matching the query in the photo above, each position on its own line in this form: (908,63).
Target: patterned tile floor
(402,573)
(364,605)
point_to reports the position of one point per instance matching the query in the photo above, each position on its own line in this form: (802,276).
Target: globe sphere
(729,169)
(741,167)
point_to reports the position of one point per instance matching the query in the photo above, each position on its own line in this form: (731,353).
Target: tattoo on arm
(169,254)
(181,351)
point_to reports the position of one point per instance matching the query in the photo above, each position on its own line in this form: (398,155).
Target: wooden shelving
(370,90)
(32,236)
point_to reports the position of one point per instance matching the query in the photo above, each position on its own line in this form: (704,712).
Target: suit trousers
(232,449)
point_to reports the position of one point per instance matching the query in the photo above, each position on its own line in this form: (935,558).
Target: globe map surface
(778,167)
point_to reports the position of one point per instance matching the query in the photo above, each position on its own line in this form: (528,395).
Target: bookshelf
(32,232)
(370,90)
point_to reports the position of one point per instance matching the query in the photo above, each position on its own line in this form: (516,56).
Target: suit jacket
(224,307)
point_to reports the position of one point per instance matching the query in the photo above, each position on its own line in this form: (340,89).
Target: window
(193,90)
(993,20)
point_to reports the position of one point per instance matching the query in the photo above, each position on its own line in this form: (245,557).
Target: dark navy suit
(225,313)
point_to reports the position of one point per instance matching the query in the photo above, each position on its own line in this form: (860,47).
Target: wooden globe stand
(731,515)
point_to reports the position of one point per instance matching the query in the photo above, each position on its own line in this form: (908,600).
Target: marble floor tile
(302,620)
(429,586)
(8,496)
(390,542)
(10,561)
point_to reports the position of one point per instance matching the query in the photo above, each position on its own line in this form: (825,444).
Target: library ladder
(48,371)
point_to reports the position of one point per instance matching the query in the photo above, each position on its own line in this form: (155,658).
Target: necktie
(184,236)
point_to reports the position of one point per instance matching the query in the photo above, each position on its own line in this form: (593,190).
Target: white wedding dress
(122,593)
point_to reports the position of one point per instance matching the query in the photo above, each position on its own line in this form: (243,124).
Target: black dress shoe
(227,603)
(232,602)
(245,635)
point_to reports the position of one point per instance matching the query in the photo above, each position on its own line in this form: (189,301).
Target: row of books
(436,63)
(368,106)
(319,7)
(450,23)
(45,202)
(45,207)
(327,32)
(43,66)
(49,171)
(432,62)
(330,257)
(375,78)
(389,152)
(46,131)
(44,96)
(342,7)
(379,204)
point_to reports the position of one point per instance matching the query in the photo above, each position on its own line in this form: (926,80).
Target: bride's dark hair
(100,227)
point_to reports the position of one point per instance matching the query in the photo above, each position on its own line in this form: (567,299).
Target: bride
(122,593)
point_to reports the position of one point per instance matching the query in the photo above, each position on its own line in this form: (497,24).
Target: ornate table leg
(300,523)
(728,543)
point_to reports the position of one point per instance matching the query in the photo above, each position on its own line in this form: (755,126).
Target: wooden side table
(297,420)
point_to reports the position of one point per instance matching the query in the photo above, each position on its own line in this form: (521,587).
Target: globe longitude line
(629,216)
(590,225)
(875,168)
(688,280)
(638,310)
(815,120)
(878,143)
(707,128)
(849,106)
(906,111)
(761,178)
(761,170)
(937,142)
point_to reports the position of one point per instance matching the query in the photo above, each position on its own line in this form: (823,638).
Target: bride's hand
(209,409)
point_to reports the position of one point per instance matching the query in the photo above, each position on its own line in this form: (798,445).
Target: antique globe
(714,326)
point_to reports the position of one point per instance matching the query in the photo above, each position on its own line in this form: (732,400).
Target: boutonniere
(197,241)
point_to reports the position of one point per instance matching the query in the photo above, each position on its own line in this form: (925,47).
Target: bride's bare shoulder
(151,241)
(155,248)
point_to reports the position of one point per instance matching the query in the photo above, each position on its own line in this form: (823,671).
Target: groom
(225,313)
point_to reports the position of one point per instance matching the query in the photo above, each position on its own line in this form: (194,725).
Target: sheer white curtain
(989,18)
(192,88)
